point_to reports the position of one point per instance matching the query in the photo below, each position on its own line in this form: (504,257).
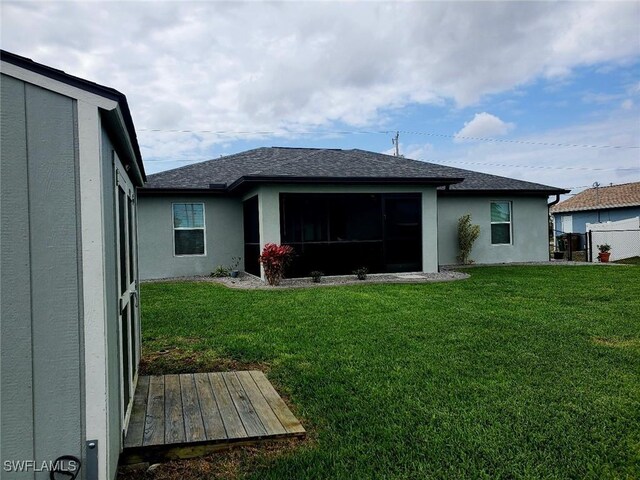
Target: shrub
(316,276)
(604,248)
(221,271)
(361,273)
(274,259)
(467,235)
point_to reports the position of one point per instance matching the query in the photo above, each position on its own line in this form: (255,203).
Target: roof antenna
(396,141)
(596,185)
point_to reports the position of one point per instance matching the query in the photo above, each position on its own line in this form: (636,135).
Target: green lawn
(517,372)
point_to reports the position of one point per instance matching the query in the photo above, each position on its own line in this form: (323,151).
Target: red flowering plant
(274,260)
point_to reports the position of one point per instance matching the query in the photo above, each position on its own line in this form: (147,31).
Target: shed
(70,331)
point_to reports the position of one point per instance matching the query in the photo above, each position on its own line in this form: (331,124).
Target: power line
(521,142)
(384,132)
(537,167)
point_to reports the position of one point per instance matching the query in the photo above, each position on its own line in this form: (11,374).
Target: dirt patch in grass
(617,342)
(182,358)
(227,464)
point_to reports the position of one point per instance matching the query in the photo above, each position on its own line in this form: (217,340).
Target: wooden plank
(232,422)
(173,418)
(135,432)
(193,424)
(213,425)
(287,419)
(240,408)
(269,419)
(154,418)
(248,415)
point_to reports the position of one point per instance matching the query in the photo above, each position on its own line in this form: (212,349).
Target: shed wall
(530,228)
(42,407)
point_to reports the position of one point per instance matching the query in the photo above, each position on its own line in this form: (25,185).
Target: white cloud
(484,125)
(247,66)
(627,104)
(527,158)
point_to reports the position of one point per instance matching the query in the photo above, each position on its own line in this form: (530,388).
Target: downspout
(553,233)
(549,205)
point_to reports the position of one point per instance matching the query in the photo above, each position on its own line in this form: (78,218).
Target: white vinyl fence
(623,236)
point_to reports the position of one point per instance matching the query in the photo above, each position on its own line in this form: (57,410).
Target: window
(500,223)
(188,228)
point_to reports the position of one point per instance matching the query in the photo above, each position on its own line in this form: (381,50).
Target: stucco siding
(268,197)
(224,227)
(580,219)
(42,407)
(530,229)
(223,236)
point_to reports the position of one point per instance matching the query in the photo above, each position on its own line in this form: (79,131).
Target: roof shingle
(616,196)
(288,163)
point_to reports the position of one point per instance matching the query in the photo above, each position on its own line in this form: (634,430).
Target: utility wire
(470,163)
(537,167)
(386,132)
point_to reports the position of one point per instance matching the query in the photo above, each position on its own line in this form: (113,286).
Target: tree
(467,235)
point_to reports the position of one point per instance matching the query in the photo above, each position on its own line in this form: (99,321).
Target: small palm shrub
(467,235)
(221,271)
(274,259)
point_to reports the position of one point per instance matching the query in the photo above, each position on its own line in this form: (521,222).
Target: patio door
(402,233)
(128,308)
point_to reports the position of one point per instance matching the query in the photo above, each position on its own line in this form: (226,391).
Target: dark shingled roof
(313,165)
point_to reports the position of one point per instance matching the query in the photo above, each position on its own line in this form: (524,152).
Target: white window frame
(510,223)
(203,228)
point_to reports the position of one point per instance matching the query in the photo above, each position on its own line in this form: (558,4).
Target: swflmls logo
(44,466)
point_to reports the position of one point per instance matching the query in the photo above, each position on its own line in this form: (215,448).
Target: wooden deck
(188,415)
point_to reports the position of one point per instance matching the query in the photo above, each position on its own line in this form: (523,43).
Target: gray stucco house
(338,209)
(70,331)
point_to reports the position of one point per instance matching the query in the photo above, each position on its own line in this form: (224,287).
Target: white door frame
(128,285)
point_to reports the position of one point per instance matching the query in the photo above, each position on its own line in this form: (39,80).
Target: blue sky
(525,74)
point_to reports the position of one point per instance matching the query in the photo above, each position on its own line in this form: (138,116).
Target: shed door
(129,325)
